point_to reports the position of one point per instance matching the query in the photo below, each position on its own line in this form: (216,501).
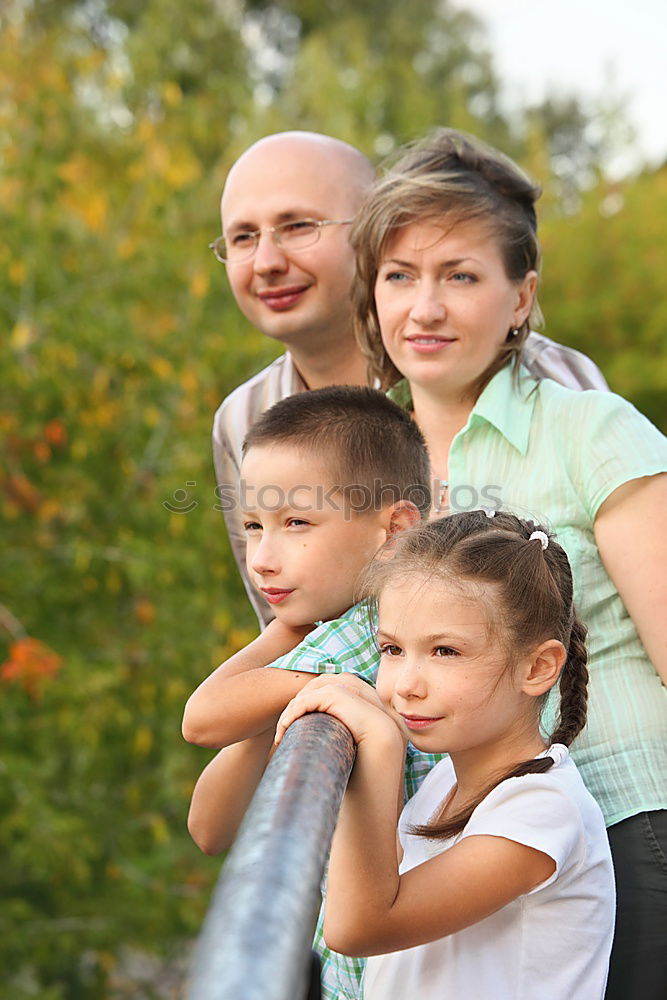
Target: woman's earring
(513,333)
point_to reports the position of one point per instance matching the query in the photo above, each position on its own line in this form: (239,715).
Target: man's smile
(282,297)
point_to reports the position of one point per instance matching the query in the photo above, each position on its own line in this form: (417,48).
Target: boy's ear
(544,666)
(402,515)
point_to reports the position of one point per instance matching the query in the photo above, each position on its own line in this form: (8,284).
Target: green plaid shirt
(348,644)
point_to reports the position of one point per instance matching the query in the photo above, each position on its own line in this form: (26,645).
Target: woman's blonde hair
(453,176)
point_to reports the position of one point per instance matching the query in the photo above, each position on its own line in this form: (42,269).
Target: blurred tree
(112,364)
(602,286)
(582,141)
(380,72)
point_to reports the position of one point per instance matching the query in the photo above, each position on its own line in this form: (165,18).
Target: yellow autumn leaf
(89,206)
(144,611)
(240,637)
(159,829)
(158,158)
(199,283)
(100,381)
(182,170)
(17,271)
(10,510)
(147,693)
(162,367)
(76,170)
(143,741)
(81,558)
(22,336)
(94,211)
(172,93)
(189,381)
(152,416)
(145,130)
(176,689)
(49,510)
(54,77)
(165,322)
(221,653)
(222,620)
(115,78)
(137,171)
(10,189)
(62,355)
(177,525)
(126,247)
(105,414)
(134,795)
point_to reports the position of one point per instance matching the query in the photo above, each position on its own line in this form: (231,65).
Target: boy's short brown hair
(373,448)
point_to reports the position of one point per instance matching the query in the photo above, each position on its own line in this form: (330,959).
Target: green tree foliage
(603,286)
(378,73)
(116,349)
(118,594)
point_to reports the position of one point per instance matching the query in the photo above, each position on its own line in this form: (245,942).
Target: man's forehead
(286,176)
(289,186)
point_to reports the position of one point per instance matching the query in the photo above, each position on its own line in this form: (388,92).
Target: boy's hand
(350,700)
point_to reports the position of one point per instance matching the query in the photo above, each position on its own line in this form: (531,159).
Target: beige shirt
(543,357)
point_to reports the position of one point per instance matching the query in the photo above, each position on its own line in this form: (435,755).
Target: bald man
(286,209)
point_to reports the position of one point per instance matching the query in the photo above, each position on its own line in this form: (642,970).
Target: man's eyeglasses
(294,235)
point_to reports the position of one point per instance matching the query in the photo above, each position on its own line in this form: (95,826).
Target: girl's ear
(544,667)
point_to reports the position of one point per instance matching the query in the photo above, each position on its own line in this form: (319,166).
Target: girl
(503,883)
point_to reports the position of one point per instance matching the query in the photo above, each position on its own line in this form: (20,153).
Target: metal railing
(255,941)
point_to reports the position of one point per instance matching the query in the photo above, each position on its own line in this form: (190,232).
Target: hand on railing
(347,698)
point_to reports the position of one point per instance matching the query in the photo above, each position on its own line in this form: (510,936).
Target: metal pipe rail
(255,941)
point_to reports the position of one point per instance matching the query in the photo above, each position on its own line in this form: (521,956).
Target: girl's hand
(346,697)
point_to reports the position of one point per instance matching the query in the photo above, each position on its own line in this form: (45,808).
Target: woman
(447,270)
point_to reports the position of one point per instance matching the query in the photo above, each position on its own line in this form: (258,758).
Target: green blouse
(554,455)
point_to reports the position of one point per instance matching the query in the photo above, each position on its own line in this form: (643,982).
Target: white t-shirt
(552,943)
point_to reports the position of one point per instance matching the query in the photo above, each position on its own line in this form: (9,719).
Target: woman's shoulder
(589,411)
(552,393)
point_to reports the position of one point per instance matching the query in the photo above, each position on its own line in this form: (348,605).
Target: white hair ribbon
(541,537)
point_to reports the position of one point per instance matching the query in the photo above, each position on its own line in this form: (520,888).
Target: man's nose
(269,257)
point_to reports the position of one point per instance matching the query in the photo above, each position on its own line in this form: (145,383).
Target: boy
(326,478)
